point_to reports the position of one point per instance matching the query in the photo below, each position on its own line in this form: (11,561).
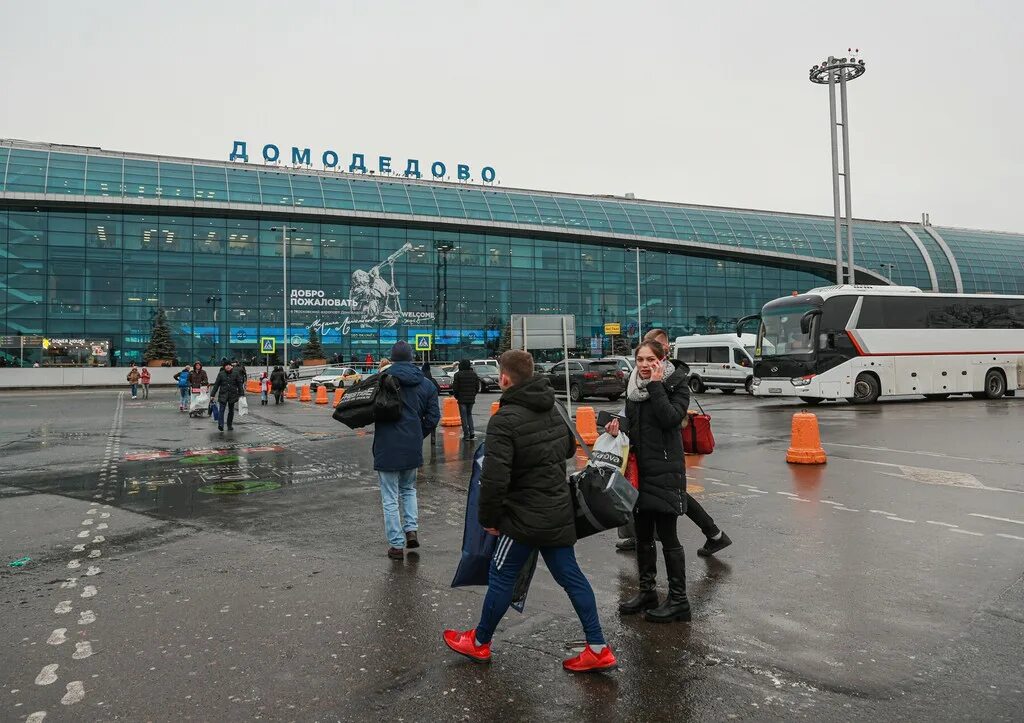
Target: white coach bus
(862,342)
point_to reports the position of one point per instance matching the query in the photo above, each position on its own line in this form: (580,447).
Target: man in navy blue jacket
(398,449)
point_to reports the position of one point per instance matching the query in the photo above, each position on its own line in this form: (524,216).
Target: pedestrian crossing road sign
(424,342)
(268,345)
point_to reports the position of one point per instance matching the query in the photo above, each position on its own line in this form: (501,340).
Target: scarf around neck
(636,387)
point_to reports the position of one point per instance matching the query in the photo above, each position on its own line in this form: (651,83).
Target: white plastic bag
(243,407)
(611,451)
(199,401)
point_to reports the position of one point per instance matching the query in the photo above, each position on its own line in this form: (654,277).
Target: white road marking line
(78,548)
(89,591)
(900,519)
(1009,537)
(712,479)
(721,484)
(787,494)
(63,607)
(82,650)
(883,512)
(102,525)
(91,512)
(57,637)
(943,524)
(74,564)
(798,499)
(830,502)
(86,617)
(967,532)
(1000,519)
(47,675)
(88,521)
(93,570)
(70,582)
(98,539)
(94,554)
(75,693)
(36,717)
(85,533)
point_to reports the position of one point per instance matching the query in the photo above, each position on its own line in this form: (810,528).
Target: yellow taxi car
(335,378)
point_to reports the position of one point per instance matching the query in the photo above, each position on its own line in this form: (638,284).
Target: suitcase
(697,435)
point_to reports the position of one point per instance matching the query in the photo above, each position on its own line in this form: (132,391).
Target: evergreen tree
(161,344)
(313,349)
(505,343)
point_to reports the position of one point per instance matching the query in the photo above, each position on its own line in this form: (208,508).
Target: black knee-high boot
(676,606)
(647,564)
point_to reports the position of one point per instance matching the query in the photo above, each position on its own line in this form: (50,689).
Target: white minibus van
(717,361)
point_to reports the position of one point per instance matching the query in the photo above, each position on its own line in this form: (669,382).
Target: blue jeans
(466,412)
(135,390)
(186,396)
(509,557)
(395,486)
(227,409)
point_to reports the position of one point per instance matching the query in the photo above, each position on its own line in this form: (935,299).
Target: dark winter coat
(278,380)
(523,489)
(399,445)
(228,387)
(655,439)
(198,378)
(465,384)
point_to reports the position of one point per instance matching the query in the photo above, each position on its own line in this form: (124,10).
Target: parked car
(335,378)
(717,361)
(444,381)
(542,367)
(589,378)
(487,370)
(625,363)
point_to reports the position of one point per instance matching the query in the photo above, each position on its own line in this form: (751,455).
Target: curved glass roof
(988,261)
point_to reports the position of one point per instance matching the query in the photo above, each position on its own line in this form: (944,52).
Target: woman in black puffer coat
(656,405)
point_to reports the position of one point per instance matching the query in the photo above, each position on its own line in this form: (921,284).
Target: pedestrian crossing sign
(268,345)
(424,342)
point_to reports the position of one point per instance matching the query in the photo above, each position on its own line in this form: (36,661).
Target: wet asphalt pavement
(180,574)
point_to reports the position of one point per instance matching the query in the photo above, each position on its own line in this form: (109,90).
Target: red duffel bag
(697,435)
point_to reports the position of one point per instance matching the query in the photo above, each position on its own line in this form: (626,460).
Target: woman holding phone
(657,397)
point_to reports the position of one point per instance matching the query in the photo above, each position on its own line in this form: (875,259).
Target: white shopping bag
(199,401)
(611,451)
(243,407)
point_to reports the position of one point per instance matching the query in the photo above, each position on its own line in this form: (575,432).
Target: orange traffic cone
(338,394)
(805,447)
(290,393)
(305,396)
(495,406)
(321,395)
(451,417)
(586,424)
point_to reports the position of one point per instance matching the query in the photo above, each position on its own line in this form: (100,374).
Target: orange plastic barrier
(586,424)
(321,395)
(338,394)
(805,447)
(290,393)
(450,416)
(495,406)
(305,396)
(252,387)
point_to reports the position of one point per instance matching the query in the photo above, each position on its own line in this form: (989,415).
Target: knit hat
(401,352)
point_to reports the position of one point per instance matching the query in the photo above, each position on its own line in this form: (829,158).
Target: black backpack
(375,399)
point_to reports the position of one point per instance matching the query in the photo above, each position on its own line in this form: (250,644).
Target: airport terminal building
(94,243)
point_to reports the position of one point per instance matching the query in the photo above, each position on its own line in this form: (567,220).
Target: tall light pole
(284,284)
(214,300)
(829,72)
(889,268)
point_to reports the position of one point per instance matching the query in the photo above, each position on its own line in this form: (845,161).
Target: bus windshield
(781,335)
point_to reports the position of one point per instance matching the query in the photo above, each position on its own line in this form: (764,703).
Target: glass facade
(93,243)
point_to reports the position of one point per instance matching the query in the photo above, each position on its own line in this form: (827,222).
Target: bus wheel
(866,390)
(811,400)
(995,384)
(936,397)
(696,385)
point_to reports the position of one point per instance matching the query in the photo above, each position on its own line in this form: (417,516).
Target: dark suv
(589,378)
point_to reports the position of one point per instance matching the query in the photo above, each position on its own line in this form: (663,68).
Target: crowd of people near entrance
(524,495)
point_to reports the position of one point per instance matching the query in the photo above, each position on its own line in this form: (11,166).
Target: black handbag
(375,399)
(602,498)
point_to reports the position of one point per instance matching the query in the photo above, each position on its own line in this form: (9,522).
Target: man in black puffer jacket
(465,385)
(525,501)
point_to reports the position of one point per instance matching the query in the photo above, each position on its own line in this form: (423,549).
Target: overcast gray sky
(697,102)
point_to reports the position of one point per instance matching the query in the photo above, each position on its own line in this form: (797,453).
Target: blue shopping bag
(215,412)
(478,545)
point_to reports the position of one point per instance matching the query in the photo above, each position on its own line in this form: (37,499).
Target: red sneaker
(464,643)
(590,662)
